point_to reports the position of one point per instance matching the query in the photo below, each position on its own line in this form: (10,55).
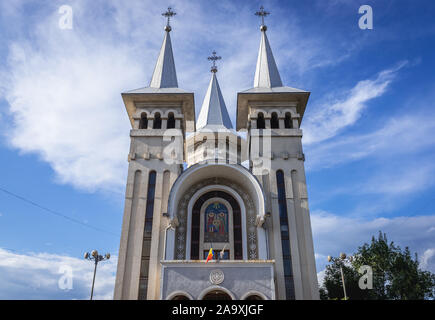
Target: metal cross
(214,58)
(262,14)
(168,14)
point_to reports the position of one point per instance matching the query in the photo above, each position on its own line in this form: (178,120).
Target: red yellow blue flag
(210,255)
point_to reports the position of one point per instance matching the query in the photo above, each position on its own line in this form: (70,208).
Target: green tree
(396,275)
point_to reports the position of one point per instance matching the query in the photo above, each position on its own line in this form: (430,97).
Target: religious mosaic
(216,223)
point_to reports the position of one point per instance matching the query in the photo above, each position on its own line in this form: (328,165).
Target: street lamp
(94,256)
(340,261)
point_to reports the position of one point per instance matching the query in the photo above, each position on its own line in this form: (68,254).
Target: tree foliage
(396,274)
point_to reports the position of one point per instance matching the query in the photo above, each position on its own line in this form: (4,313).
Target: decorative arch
(291,111)
(216,288)
(253,293)
(174,294)
(275,110)
(255,113)
(201,178)
(199,172)
(165,113)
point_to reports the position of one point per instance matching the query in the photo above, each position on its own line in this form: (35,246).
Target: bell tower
(159,115)
(272,114)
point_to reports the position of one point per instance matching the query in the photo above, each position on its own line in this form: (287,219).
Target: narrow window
(288,123)
(171,121)
(274,123)
(227,150)
(157,121)
(150,202)
(146,245)
(143,124)
(285,238)
(260,121)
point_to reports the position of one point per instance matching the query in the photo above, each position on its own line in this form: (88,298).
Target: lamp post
(340,261)
(94,256)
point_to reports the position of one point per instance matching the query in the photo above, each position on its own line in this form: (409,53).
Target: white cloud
(333,116)
(334,234)
(37,276)
(428,258)
(401,135)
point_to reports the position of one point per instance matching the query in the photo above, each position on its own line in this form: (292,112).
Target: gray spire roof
(164,75)
(214,114)
(266,73)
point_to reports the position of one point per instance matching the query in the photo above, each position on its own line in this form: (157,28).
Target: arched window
(180,297)
(288,122)
(254,297)
(285,237)
(216,225)
(217,295)
(143,124)
(260,121)
(157,124)
(274,122)
(171,121)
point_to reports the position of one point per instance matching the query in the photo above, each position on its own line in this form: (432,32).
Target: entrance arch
(179,295)
(216,293)
(254,295)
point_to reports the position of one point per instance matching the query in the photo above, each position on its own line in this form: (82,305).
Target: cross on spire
(168,14)
(262,13)
(214,58)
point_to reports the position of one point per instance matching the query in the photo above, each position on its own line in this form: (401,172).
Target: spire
(164,75)
(214,114)
(266,73)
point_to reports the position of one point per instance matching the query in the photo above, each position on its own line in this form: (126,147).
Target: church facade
(199,184)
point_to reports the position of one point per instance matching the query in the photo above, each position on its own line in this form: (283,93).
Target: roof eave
(186,100)
(244,98)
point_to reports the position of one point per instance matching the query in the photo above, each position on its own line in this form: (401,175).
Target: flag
(210,255)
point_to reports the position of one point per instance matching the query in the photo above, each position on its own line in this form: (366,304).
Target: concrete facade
(257,179)
(239,279)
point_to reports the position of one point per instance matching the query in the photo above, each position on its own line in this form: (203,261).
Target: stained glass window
(216,223)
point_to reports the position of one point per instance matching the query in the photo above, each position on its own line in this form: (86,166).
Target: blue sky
(369,128)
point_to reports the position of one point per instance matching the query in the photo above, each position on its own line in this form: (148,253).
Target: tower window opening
(261,124)
(288,123)
(143,124)
(157,124)
(274,122)
(171,121)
